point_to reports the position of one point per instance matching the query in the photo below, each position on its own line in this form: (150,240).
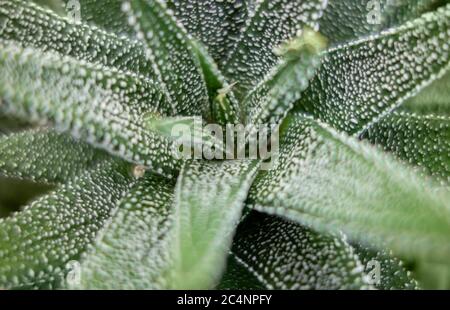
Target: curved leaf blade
(347,20)
(217,24)
(37,243)
(208,205)
(186,234)
(45,156)
(94,104)
(270,23)
(134,247)
(167,45)
(271,100)
(283,255)
(331,182)
(31,26)
(363,81)
(422,141)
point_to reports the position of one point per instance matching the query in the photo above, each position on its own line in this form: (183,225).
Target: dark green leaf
(385,271)
(277,254)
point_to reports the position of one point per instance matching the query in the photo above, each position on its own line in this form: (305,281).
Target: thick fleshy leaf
(422,141)
(15,193)
(107,14)
(37,243)
(134,247)
(278,254)
(346,20)
(45,156)
(166,44)
(275,96)
(335,183)
(270,23)
(98,105)
(434,99)
(10,125)
(385,271)
(185,243)
(217,24)
(225,108)
(55,5)
(360,82)
(208,205)
(30,26)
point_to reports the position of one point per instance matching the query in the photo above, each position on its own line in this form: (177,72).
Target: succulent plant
(357,196)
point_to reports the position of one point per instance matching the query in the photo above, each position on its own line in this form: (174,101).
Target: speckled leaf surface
(217,24)
(331,182)
(96,82)
(277,254)
(132,251)
(37,243)
(31,26)
(393,275)
(275,95)
(419,140)
(361,81)
(186,235)
(45,156)
(271,23)
(100,106)
(347,20)
(166,44)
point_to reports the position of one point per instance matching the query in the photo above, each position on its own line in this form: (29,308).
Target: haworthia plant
(93,97)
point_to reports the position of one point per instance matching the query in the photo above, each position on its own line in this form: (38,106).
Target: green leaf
(186,245)
(270,23)
(347,20)
(332,182)
(225,108)
(422,141)
(238,277)
(55,5)
(166,44)
(278,254)
(10,125)
(45,156)
(95,104)
(361,82)
(433,99)
(275,96)
(134,247)
(107,14)
(31,26)
(392,272)
(217,24)
(208,205)
(37,243)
